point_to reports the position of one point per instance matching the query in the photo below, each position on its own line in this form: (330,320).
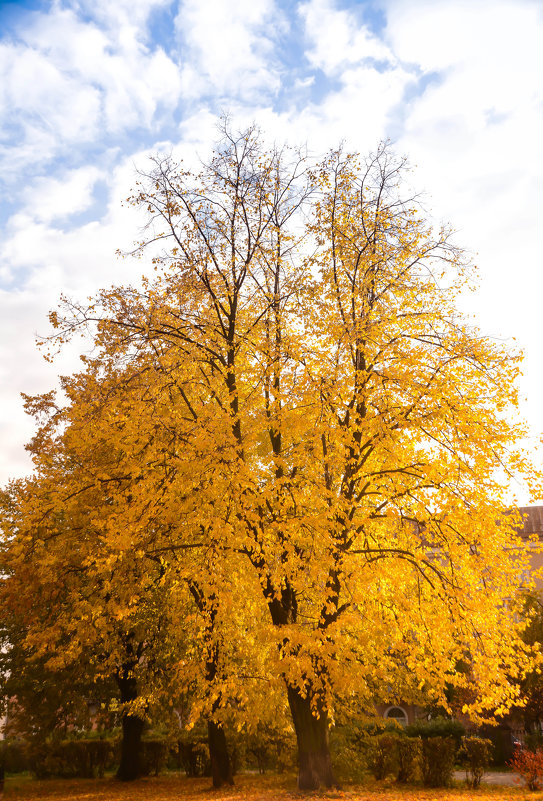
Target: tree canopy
(292,422)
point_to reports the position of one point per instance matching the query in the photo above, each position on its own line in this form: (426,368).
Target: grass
(248,788)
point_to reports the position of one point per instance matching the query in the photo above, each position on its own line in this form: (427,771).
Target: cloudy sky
(90,88)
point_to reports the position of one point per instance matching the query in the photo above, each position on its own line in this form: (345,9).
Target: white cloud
(57,198)
(52,101)
(87,72)
(122,15)
(474,135)
(337,40)
(68,83)
(228,47)
(45,261)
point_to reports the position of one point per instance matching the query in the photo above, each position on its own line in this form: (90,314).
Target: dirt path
(504,779)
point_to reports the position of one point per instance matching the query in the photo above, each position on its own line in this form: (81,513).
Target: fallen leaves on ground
(248,788)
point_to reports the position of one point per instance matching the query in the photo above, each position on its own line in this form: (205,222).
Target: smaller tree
(476,755)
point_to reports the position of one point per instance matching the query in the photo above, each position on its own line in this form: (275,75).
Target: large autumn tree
(334,422)
(79,604)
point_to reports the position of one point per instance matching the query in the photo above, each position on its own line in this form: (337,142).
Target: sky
(89,89)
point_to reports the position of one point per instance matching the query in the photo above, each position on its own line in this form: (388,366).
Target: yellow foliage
(292,415)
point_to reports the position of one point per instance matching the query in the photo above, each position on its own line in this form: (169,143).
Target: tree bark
(130,766)
(221,767)
(314,763)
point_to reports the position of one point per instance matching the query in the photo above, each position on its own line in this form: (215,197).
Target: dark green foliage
(475,755)
(409,750)
(193,754)
(154,754)
(437,727)
(532,685)
(270,748)
(14,756)
(438,756)
(347,747)
(376,727)
(534,741)
(501,738)
(382,755)
(81,758)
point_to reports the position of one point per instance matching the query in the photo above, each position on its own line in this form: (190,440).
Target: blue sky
(90,88)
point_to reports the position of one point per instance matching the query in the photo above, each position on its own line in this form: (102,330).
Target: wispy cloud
(68,83)
(90,87)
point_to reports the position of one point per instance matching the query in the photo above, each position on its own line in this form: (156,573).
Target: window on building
(398,714)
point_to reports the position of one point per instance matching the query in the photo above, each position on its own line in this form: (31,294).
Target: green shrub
(100,755)
(154,754)
(409,758)
(475,755)
(14,756)
(268,748)
(348,752)
(382,755)
(75,758)
(437,727)
(438,755)
(193,754)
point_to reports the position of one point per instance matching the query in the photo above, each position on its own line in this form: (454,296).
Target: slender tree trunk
(221,767)
(314,764)
(130,766)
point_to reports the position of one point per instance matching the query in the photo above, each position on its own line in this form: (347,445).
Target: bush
(409,750)
(529,765)
(438,754)
(437,727)
(269,748)
(154,754)
(193,754)
(348,751)
(14,756)
(475,755)
(84,758)
(382,755)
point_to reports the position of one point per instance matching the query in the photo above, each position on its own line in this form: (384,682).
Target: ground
(248,788)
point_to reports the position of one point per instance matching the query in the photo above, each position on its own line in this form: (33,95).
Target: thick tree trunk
(314,764)
(130,766)
(221,767)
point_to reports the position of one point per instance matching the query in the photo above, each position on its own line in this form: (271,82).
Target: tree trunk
(221,767)
(314,764)
(130,765)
